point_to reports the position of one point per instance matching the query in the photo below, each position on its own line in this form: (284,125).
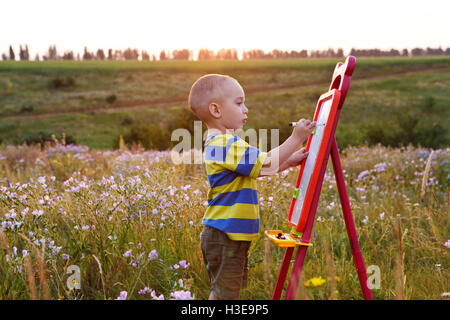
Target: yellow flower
(316,282)
(335,278)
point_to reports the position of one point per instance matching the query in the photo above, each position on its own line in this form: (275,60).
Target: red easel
(338,91)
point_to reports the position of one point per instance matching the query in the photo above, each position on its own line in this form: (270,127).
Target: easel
(337,92)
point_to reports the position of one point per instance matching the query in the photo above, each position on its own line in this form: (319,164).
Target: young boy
(231,220)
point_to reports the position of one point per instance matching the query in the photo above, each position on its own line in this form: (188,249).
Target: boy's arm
(284,156)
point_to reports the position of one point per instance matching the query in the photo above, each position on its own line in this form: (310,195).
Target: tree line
(206,54)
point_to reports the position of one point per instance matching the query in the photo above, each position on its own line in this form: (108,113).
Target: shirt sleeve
(243,159)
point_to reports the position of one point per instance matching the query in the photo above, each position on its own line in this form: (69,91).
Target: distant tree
(162,55)
(153,57)
(100,54)
(405,52)
(68,55)
(434,52)
(24,54)
(447,51)
(227,54)
(339,53)
(118,55)
(21,53)
(52,53)
(87,55)
(110,54)
(12,55)
(4,56)
(145,55)
(417,52)
(183,54)
(205,54)
(78,56)
(131,54)
(36,57)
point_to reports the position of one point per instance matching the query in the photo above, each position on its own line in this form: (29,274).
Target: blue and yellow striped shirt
(232,166)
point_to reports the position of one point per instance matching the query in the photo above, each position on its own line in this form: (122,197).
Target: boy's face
(233,110)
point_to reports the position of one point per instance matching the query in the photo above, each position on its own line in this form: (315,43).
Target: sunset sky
(240,24)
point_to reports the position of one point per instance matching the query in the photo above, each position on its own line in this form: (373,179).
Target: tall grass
(131,220)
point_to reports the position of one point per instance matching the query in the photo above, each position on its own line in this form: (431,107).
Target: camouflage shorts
(226,262)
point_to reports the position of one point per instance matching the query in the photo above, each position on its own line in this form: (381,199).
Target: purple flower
(182,295)
(160,297)
(122,295)
(153,254)
(127,254)
(183,264)
(65,256)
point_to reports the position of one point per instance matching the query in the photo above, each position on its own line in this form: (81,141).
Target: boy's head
(218,100)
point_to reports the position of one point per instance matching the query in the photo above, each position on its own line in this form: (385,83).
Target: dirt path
(161,102)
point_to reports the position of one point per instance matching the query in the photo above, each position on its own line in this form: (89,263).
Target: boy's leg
(226,263)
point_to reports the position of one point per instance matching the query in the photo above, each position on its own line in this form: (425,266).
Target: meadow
(130,218)
(394,101)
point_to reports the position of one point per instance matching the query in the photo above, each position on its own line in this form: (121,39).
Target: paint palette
(285,240)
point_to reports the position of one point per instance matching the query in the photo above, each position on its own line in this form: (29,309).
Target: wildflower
(335,278)
(122,295)
(447,244)
(382,215)
(127,254)
(41,180)
(153,254)
(38,213)
(65,256)
(160,297)
(155,211)
(365,220)
(183,264)
(141,292)
(182,295)
(316,282)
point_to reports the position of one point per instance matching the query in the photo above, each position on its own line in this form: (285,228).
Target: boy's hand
(303,129)
(297,157)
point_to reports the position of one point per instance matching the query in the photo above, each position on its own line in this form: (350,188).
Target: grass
(131,219)
(278,91)
(108,211)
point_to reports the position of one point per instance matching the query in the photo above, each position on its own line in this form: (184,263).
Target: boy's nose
(245,110)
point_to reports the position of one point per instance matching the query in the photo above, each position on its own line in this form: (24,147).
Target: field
(392,101)
(130,218)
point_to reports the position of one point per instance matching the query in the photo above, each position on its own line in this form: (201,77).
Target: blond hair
(205,90)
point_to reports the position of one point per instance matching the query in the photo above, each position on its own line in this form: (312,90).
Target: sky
(241,24)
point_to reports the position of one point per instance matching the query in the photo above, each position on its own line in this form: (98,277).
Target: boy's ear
(214,110)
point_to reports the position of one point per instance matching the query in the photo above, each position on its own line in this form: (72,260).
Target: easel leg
(282,274)
(296,271)
(349,223)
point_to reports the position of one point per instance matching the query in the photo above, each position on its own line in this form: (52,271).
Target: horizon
(242,26)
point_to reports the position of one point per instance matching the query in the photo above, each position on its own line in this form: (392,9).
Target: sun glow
(243,25)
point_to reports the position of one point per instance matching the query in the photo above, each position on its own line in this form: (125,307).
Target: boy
(232,217)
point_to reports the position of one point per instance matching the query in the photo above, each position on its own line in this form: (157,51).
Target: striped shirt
(232,166)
